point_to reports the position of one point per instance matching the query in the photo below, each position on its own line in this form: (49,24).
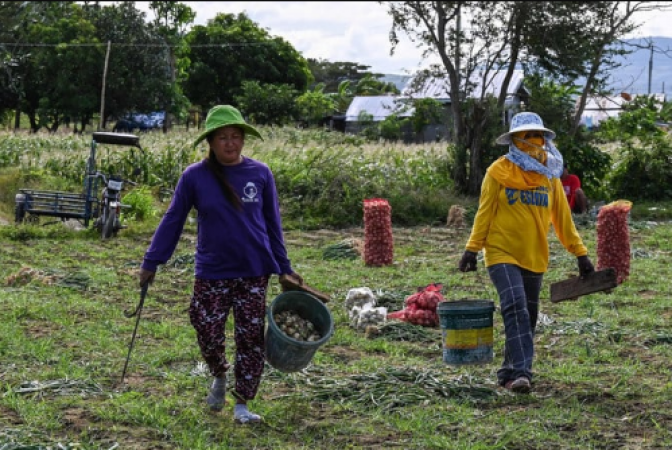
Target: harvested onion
(613,238)
(378,240)
(296,327)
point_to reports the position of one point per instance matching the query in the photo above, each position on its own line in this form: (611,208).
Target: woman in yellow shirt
(521,195)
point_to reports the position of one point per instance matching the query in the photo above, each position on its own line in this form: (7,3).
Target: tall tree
(137,76)
(172,19)
(12,56)
(611,21)
(58,83)
(467,36)
(231,49)
(563,38)
(585,42)
(331,74)
(19,51)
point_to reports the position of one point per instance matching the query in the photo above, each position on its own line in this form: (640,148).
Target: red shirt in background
(570,184)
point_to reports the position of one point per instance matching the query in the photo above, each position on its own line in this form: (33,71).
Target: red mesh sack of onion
(421,307)
(613,238)
(378,242)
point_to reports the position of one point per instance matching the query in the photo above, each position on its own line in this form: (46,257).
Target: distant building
(381,107)
(377,108)
(600,108)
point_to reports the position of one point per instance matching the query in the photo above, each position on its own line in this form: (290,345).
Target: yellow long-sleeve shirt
(512,223)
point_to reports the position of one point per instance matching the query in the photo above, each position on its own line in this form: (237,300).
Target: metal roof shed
(378,106)
(439,88)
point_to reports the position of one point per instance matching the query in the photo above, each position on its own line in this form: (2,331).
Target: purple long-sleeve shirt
(231,243)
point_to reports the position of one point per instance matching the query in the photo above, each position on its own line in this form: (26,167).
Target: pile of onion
(613,238)
(378,242)
(296,327)
(421,307)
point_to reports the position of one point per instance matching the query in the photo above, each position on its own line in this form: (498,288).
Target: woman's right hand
(146,276)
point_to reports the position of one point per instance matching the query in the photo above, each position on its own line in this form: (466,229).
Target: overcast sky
(352,31)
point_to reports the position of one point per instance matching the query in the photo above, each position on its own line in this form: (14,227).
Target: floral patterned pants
(209,310)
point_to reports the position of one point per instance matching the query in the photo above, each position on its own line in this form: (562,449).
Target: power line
(121,44)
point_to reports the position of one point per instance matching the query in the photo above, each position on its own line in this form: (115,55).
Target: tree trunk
(34,127)
(587,88)
(475,163)
(168,117)
(54,126)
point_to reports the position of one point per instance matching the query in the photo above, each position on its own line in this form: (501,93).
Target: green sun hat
(222,116)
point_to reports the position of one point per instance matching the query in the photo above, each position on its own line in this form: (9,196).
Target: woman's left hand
(298,277)
(585,266)
(294,275)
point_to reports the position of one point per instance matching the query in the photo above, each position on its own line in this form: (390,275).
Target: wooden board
(289,283)
(574,287)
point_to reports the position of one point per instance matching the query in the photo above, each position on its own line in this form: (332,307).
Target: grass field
(603,378)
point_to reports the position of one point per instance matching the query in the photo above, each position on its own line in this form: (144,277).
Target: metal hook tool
(136,313)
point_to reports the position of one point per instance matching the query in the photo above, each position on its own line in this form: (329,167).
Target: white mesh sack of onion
(613,238)
(378,241)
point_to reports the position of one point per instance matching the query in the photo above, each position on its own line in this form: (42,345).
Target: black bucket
(466,327)
(285,353)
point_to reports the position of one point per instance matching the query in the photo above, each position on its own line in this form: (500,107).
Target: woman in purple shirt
(240,245)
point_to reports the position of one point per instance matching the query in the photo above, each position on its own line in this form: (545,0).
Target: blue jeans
(518,291)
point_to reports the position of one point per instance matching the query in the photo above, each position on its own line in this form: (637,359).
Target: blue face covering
(554,161)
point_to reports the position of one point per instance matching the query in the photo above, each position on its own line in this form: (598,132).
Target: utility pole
(650,66)
(652,49)
(102,94)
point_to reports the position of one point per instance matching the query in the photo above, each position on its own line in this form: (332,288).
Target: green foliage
(48,93)
(343,96)
(369,85)
(427,111)
(322,176)
(592,165)
(314,105)
(555,103)
(325,186)
(224,56)
(369,129)
(141,204)
(30,231)
(331,74)
(268,104)
(485,111)
(643,170)
(391,127)
(637,121)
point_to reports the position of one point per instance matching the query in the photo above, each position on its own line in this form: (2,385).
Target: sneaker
(216,397)
(242,415)
(520,385)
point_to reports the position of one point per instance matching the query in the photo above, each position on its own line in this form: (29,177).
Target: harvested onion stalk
(296,327)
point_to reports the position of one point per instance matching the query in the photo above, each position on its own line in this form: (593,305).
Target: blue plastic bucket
(467,331)
(285,353)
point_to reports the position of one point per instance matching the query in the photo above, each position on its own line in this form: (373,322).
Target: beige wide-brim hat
(525,121)
(222,116)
